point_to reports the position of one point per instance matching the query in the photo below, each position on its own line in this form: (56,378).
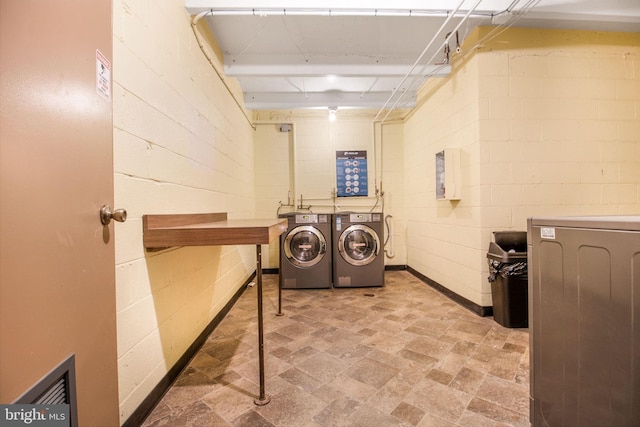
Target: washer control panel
(307,219)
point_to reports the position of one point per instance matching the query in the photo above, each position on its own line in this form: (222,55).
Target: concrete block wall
(393,186)
(444,237)
(548,123)
(273,178)
(560,124)
(181,145)
(313,160)
(311,153)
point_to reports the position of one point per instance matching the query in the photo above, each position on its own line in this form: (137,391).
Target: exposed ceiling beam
(286,100)
(339,7)
(306,70)
(357,53)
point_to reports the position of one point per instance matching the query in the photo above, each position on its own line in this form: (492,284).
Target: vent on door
(58,387)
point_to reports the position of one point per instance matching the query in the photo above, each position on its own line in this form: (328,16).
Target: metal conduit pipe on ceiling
(466,17)
(513,18)
(510,22)
(433,39)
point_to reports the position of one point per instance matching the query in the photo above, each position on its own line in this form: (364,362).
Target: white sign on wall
(103,76)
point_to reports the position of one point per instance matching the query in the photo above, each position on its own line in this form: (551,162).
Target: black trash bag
(506,269)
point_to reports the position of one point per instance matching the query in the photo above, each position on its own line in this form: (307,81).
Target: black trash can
(507,258)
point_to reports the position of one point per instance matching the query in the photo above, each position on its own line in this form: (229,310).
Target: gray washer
(305,251)
(358,253)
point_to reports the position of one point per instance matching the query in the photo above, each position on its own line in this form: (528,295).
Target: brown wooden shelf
(164,231)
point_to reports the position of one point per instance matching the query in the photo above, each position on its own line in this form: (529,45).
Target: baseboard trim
(386,268)
(395,267)
(149,403)
(460,300)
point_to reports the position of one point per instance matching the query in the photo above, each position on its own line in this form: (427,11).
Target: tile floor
(402,355)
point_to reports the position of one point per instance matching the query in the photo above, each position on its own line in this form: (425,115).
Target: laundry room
(530,140)
(504,122)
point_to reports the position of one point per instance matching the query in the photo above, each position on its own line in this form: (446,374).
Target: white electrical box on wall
(448,181)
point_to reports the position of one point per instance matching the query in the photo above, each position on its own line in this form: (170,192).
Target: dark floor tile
(227,377)
(440,376)
(300,355)
(467,380)
(429,346)
(281,352)
(417,357)
(497,413)
(162,410)
(504,393)
(251,419)
(322,366)
(300,379)
(438,399)
(233,400)
(292,408)
(296,330)
(408,413)
(476,328)
(277,339)
(226,348)
(196,414)
(367,416)
(372,372)
(337,413)
(368,332)
(464,348)
(350,387)
(514,347)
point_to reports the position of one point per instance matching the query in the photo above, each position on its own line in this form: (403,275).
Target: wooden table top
(163,231)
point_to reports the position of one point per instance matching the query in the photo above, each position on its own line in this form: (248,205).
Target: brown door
(57,267)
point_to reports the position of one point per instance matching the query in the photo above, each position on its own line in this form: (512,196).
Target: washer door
(305,246)
(359,244)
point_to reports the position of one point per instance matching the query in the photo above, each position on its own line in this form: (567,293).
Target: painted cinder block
(181,145)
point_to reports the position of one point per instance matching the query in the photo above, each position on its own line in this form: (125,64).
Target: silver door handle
(106,214)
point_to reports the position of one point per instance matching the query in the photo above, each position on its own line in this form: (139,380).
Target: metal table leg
(263,399)
(279,313)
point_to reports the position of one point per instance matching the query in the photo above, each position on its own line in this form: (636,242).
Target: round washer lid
(359,244)
(305,246)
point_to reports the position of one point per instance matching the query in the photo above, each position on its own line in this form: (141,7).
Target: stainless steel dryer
(358,255)
(305,251)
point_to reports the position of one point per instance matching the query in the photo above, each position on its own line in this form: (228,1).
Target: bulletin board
(352,173)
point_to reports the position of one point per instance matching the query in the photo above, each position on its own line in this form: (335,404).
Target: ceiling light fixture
(332,113)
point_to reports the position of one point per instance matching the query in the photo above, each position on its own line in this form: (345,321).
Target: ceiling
(371,54)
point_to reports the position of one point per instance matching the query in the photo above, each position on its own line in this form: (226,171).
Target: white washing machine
(305,251)
(358,253)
